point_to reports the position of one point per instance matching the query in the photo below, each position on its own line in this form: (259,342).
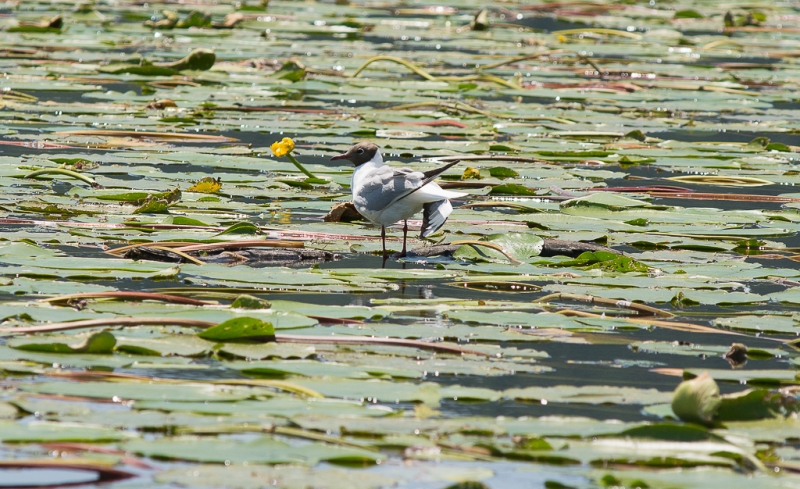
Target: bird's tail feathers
(434,214)
(453,195)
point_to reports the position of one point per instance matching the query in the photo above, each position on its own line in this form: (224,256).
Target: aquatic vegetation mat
(615,302)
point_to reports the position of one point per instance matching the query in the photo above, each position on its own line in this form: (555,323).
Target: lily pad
(97,343)
(260,450)
(240,328)
(520,246)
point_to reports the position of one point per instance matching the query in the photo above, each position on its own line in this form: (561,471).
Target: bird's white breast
(363,172)
(361,176)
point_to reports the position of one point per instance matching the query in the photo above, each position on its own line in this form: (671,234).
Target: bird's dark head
(359,154)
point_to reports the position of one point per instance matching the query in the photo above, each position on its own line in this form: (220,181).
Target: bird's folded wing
(390,185)
(386,186)
(428,177)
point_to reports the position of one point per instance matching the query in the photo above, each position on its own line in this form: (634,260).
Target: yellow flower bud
(282,147)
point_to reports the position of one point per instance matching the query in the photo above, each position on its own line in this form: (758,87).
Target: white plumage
(387,195)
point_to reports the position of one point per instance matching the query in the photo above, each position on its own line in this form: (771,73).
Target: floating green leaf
(239,329)
(260,450)
(688,14)
(512,189)
(606,261)
(520,246)
(240,228)
(97,343)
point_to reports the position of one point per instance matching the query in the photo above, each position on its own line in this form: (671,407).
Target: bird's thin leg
(405,234)
(383,240)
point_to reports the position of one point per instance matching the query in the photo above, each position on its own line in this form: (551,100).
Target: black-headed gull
(386,195)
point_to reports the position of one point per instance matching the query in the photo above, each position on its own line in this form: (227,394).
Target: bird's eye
(360,150)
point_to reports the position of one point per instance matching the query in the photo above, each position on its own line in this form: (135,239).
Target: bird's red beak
(342,156)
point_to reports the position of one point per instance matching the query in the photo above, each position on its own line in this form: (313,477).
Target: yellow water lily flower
(282,147)
(206,185)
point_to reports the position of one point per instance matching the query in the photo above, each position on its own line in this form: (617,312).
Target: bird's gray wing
(428,177)
(388,185)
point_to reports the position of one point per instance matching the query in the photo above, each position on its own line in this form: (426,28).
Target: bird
(386,195)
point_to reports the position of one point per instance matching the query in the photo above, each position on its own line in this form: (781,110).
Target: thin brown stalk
(154,135)
(493,203)
(411,66)
(275,384)
(164,244)
(140,296)
(183,255)
(369,340)
(639,308)
(120,376)
(275,109)
(235,245)
(311,435)
(726,197)
(673,325)
(692,328)
(104,472)
(108,322)
(89,447)
(576,313)
(329,320)
(462,107)
(488,158)
(542,54)
(185,246)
